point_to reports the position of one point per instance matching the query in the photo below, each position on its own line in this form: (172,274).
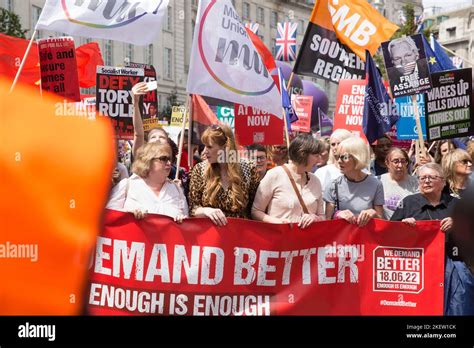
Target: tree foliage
(10,24)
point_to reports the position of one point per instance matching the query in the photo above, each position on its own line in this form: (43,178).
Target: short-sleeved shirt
(276,196)
(395,191)
(419,208)
(355,196)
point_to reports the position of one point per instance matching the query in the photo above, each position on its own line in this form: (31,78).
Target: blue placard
(406,125)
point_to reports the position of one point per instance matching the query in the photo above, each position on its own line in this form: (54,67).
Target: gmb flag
(134,21)
(337,36)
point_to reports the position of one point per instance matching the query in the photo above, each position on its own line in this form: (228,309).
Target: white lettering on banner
(255,121)
(361,36)
(204,265)
(231,305)
(333,72)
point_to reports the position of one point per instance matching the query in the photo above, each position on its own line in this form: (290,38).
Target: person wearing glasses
(149,190)
(258,154)
(223,185)
(277,200)
(331,171)
(356,196)
(430,203)
(397,183)
(457,167)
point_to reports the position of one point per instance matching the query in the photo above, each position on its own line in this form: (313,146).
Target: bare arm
(139,133)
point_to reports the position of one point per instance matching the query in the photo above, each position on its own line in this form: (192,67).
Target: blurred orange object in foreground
(55,174)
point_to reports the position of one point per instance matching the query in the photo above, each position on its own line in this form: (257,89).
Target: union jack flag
(286,42)
(253,27)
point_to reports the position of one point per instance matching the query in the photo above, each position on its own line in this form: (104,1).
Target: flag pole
(287,136)
(455,54)
(190,134)
(181,138)
(419,130)
(290,81)
(23,61)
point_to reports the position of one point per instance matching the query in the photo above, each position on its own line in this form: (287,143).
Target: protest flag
(201,117)
(253,27)
(380,112)
(217,67)
(337,36)
(88,58)
(325,123)
(135,21)
(12,50)
(438,59)
(290,113)
(41,162)
(286,41)
(263,50)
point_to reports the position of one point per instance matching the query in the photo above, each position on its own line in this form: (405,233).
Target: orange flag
(56,174)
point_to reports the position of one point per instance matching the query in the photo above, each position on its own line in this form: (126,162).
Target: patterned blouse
(197,188)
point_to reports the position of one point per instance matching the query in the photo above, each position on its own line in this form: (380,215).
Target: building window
(128,52)
(10,5)
(108,52)
(169,19)
(246,10)
(451,32)
(35,14)
(168,64)
(274,19)
(260,15)
(301,27)
(149,55)
(273,46)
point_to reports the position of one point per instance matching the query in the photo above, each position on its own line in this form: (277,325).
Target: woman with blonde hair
(331,171)
(223,185)
(355,196)
(149,190)
(457,167)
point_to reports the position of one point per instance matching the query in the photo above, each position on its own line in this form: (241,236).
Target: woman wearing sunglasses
(223,185)
(397,183)
(457,167)
(355,196)
(149,190)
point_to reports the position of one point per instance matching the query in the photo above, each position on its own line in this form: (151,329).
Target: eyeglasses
(163,159)
(344,158)
(399,161)
(429,178)
(466,162)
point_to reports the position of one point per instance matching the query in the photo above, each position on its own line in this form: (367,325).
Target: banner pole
(455,54)
(418,124)
(23,61)
(181,138)
(290,81)
(287,136)
(190,134)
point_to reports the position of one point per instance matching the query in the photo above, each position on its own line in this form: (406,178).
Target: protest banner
(449,105)
(225,114)
(325,124)
(114,96)
(149,102)
(406,125)
(350,106)
(255,126)
(407,66)
(177,116)
(254,268)
(303,106)
(58,67)
(337,36)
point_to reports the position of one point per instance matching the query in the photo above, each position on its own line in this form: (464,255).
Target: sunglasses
(163,159)
(345,158)
(466,162)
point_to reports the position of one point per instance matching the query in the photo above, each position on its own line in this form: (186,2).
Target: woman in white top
(331,171)
(276,200)
(149,190)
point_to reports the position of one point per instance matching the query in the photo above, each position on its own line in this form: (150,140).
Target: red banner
(303,106)
(254,126)
(59,67)
(157,267)
(350,106)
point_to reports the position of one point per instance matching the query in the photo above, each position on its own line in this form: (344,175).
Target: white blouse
(134,194)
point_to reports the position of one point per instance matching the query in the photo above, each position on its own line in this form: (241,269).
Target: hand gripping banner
(157,267)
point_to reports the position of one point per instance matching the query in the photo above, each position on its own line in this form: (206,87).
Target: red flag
(88,57)
(12,50)
(202,113)
(262,50)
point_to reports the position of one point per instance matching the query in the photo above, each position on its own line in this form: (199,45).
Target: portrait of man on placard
(406,64)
